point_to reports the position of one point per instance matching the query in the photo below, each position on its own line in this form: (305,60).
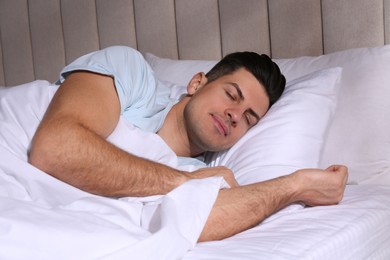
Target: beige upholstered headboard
(38,37)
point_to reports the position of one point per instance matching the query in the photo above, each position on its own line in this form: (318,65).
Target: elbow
(35,159)
(39,155)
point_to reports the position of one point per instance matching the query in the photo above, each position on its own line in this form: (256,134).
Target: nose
(234,115)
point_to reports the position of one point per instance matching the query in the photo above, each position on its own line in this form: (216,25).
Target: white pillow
(288,138)
(177,71)
(359,136)
(21,110)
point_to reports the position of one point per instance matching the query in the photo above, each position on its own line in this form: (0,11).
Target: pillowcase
(21,109)
(359,135)
(178,72)
(288,138)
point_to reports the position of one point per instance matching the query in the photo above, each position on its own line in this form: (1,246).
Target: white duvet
(43,218)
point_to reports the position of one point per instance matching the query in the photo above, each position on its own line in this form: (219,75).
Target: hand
(322,187)
(222,171)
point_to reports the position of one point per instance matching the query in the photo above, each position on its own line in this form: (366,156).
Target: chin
(218,148)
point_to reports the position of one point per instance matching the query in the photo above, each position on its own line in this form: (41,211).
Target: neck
(174,131)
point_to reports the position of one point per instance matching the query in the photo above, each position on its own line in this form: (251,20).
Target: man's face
(222,111)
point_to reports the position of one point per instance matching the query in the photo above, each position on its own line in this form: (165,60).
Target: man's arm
(240,208)
(70,144)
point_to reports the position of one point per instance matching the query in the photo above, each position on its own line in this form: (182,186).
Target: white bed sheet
(357,228)
(43,218)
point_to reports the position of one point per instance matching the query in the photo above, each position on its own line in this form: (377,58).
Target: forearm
(79,157)
(240,208)
(243,207)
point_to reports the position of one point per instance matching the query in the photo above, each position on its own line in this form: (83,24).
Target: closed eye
(230,95)
(251,118)
(248,119)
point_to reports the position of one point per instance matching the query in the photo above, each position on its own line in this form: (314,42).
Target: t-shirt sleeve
(134,79)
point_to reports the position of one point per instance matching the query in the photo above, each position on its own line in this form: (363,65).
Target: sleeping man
(218,109)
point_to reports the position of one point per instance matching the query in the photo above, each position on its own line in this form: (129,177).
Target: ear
(196,83)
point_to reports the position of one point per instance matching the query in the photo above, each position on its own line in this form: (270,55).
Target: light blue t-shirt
(145,101)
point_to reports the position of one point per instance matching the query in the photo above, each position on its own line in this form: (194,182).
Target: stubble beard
(199,139)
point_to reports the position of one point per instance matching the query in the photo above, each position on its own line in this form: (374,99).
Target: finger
(341,171)
(336,168)
(234,183)
(332,168)
(230,179)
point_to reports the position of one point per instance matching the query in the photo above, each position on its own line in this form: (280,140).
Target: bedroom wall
(38,37)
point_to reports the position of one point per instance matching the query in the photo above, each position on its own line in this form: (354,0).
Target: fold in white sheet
(41,219)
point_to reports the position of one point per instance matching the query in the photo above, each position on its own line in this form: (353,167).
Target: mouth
(220,125)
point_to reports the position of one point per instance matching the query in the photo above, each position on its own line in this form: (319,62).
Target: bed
(336,59)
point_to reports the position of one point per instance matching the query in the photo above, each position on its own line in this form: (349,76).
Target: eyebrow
(238,89)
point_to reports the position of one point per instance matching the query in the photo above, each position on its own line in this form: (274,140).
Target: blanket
(45,218)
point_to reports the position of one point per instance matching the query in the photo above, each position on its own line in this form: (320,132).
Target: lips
(220,124)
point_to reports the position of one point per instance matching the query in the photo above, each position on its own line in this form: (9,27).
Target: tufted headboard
(38,37)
